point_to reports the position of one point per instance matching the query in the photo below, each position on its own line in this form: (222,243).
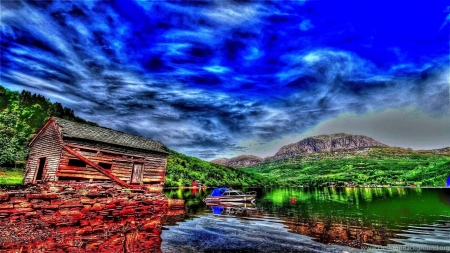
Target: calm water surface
(313,220)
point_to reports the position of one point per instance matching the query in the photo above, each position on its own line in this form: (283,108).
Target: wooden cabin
(69,151)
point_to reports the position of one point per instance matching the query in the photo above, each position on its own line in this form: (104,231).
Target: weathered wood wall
(122,163)
(47,145)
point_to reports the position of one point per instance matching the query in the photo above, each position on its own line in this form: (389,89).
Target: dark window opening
(106,166)
(69,179)
(76,179)
(76,163)
(108,154)
(40,170)
(88,150)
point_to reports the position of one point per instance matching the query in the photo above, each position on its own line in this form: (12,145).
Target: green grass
(11,176)
(381,166)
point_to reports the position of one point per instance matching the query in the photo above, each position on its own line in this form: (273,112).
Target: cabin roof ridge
(77,130)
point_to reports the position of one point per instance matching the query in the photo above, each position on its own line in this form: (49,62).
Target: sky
(223,78)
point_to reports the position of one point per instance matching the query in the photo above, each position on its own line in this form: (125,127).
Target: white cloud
(306,25)
(232,14)
(446,21)
(254,54)
(217,69)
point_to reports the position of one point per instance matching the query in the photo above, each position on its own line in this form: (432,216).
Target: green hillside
(375,166)
(182,169)
(23,114)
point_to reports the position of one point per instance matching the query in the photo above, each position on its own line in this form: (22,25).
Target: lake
(280,220)
(313,220)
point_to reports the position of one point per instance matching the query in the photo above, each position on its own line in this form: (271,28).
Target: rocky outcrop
(239,161)
(327,143)
(221,161)
(314,144)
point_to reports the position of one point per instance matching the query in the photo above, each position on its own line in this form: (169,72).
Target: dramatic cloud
(223,78)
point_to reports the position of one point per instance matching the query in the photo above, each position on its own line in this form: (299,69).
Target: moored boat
(224,194)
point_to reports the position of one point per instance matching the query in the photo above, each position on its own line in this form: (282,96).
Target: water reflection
(392,207)
(123,224)
(344,216)
(233,208)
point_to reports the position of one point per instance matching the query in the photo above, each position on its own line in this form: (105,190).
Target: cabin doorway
(137,173)
(40,169)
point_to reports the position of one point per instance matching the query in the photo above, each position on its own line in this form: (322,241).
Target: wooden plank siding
(48,145)
(154,164)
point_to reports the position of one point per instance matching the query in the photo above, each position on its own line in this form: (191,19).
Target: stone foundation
(82,217)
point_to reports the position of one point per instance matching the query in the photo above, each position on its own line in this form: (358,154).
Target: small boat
(224,194)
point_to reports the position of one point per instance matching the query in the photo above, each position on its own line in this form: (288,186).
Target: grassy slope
(379,166)
(11,176)
(182,169)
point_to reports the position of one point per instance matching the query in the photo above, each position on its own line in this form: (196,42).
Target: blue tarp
(218,192)
(448,181)
(217,209)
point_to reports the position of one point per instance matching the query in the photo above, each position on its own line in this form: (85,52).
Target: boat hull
(242,198)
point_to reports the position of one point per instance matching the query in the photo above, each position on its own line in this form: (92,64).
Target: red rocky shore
(83,217)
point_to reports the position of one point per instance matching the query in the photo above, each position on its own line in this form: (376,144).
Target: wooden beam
(97,167)
(103,150)
(51,120)
(85,176)
(130,160)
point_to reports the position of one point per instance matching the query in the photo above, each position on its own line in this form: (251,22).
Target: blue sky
(223,78)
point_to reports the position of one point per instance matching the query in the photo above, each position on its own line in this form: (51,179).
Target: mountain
(374,166)
(305,147)
(239,161)
(327,143)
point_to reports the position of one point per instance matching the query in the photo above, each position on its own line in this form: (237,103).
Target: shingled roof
(77,130)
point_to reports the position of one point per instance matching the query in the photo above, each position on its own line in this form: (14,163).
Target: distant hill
(327,143)
(239,161)
(314,144)
(375,166)
(182,169)
(347,160)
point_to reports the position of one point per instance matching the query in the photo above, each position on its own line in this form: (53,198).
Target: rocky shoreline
(83,217)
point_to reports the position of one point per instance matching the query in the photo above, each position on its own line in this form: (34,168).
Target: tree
(12,141)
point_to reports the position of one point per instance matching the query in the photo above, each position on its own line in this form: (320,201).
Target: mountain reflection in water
(354,217)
